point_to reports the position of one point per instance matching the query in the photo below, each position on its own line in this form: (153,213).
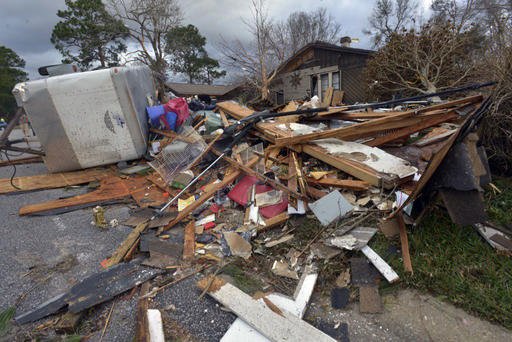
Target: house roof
(187,89)
(324,46)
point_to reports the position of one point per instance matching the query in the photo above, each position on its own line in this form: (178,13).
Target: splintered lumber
(110,189)
(340,183)
(274,221)
(351,167)
(405,132)
(224,119)
(141,328)
(189,241)
(51,181)
(144,192)
(21,161)
(173,135)
(261,177)
(127,244)
(292,181)
(380,264)
(370,127)
(276,326)
(229,178)
(328,96)
(404,242)
(337,97)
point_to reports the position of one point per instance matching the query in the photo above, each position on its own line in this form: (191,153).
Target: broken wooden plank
(352,168)
(173,135)
(113,188)
(274,221)
(340,183)
(141,327)
(337,97)
(328,96)
(380,264)
(224,119)
(126,245)
(261,177)
(404,242)
(52,181)
(21,161)
(282,326)
(207,194)
(189,241)
(406,131)
(297,306)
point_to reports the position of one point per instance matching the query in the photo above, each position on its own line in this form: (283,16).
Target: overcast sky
(26,25)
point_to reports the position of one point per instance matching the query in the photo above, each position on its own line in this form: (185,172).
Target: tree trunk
(101,56)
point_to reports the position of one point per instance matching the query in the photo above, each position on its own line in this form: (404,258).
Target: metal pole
(188,186)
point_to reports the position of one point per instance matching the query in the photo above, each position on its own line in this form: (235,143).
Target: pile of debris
(233,191)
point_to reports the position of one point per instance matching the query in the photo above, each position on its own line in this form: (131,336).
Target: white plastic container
(89,118)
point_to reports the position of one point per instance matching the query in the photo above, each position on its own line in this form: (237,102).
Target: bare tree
(461,13)
(257,58)
(301,28)
(148,21)
(423,61)
(389,17)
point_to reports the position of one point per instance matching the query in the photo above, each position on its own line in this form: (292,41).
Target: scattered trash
(281,268)
(99,217)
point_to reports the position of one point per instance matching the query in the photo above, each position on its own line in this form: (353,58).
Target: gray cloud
(25,26)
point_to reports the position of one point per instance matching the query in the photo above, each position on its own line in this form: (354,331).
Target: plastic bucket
(154,114)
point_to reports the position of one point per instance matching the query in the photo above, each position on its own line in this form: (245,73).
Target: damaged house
(317,66)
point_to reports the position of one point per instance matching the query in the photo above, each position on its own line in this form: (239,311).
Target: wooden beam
(229,178)
(21,161)
(340,183)
(352,168)
(110,189)
(261,177)
(173,135)
(276,326)
(404,241)
(189,241)
(52,181)
(127,244)
(141,328)
(274,221)
(405,132)
(224,119)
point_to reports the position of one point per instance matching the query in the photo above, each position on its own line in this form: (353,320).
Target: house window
(280,97)
(324,84)
(336,80)
(314,85)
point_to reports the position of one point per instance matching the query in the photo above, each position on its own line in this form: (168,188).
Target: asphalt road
(43,256)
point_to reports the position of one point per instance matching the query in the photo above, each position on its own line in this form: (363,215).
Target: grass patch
(5,319)
(242,280)
(457,265)
(499,204)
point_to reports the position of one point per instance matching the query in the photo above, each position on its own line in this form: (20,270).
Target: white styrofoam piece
(241,331)
(330,207)
(155,326)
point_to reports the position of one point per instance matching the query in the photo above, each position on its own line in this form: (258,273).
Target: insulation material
(300,129)
(373,157)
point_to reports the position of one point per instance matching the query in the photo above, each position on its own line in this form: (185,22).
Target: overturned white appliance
(89,118)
